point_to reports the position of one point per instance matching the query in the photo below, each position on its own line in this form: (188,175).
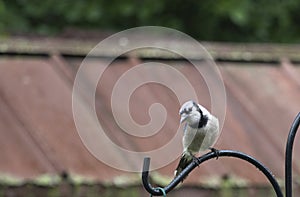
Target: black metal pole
(289,155)
(208,156)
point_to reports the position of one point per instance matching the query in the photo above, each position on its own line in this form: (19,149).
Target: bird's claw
(196,160)
(216,151)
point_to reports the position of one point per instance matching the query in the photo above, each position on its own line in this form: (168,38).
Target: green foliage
(220,20)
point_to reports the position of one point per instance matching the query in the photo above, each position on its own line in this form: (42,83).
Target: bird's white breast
(200,139)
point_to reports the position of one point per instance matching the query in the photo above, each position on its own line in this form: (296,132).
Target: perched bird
(201,131)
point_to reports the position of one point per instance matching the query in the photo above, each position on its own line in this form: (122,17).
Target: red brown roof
(38,134)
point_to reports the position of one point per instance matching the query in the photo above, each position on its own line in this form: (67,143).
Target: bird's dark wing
(185,160)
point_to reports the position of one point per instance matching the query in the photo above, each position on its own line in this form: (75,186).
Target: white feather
(199,139)
(196,139)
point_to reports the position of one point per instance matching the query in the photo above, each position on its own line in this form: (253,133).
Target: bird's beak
(183,118)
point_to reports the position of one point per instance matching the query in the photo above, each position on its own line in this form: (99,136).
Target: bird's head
(190,112)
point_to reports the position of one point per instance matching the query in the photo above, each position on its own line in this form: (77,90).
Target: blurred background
(255,45)
(232,20)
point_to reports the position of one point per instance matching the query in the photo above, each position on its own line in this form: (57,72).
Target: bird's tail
(186,159)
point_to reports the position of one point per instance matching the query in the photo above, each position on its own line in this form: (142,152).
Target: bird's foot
(216,151)
(196,160)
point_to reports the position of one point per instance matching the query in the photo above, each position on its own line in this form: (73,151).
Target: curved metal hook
(289,155)
(210,155)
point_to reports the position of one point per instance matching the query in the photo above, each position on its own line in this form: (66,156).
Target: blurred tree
(219,20)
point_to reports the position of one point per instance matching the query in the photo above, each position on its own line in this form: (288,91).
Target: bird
(201,131)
